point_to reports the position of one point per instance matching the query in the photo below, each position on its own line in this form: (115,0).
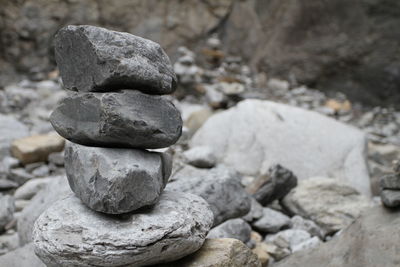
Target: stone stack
(390,188)
(119,215)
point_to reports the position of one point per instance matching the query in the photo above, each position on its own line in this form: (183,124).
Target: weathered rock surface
(221,252)
(21,257)
(6,210)
(70,234)
(305,142)
(11,129)
(371,241)
(55,190)
(116,180)
(332,205)
(273,185)
(272,221)
(219,186)
(37,148)
(126,118)
(234,228)
(96,59)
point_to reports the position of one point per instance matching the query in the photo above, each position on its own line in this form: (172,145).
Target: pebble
(271,221)
(234,228)
(31,188)
(201,157)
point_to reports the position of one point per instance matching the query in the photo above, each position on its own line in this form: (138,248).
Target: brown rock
(37,148)
(261,250)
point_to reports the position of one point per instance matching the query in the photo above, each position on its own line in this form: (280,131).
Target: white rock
(255,134)
(201,157)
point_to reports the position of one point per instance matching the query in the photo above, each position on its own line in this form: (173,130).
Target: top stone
(97,60)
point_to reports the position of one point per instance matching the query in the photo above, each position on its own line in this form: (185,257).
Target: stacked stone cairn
(390,187)
(119,214)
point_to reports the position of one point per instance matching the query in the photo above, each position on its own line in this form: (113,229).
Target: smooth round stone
(116,180)
(70,234)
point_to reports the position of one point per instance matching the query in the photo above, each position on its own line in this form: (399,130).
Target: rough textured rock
(272,221)
(55,190)
(273,185)
(332,205)
(11,129)
(201,157)
(307,143)
(390,198)
(116,180)
(234,228)
(126,118)
(96,59)
(219,186)
(6,210)
(21,257)
(371,241)
(221,252)
(36,148)
(70,234)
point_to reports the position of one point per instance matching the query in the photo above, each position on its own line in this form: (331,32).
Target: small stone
(70,234)
(20,176)
(281,86)
(36,148)
(256,211)
(125,118)
(6,184)
(307,244)
(41,171)
(390,181)
(219,186)
(116,180)
(56,158)
(276,252)
(234,228)
(221,252)
(96,59)
(201,157)
(6,210)
(261,250)
(273,185)
(20,204)
(30,188)
(300,223)
(293,237)
(390,198)
(256,237)
(272,221)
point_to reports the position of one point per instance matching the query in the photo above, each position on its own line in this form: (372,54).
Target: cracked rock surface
(96,59)
(116,180)
(126,118)
(70,234)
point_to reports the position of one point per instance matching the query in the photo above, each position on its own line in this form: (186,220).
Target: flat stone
(275,184)
(36,148)
(390,198)
(234,228)
(6,210)
(220,252)
(390,181)
(272,221)
(96,59)
(21,257)
(219,186)
(116,180)
(70,234)
(126,118)
(256,134)
(201,157)
(329,203)
(6,184)
(56,189)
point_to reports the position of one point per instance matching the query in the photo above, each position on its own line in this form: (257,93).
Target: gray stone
(6,210)
(6,184)
(272,221)
(293,237)
(21,257)
(57,188)
(274,185)
(8,242)
(256,134)
(116,180)
(96,59)
(20,175)
(390,198)
(70,234)
(372,240)
(30,188)
(390,181)
(56,158)
(299,222)
(126,118)
(256,211)
(219,186)
(307,244)
(330,204)
(234,228)
(11,129)
(201,157)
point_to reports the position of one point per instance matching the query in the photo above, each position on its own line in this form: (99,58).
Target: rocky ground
(285,168)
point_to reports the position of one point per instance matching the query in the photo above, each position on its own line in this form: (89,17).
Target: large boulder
(125,118)
(219,186)
(96,59)
(255,134)
(371,241)
(116,180)
(70,234)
